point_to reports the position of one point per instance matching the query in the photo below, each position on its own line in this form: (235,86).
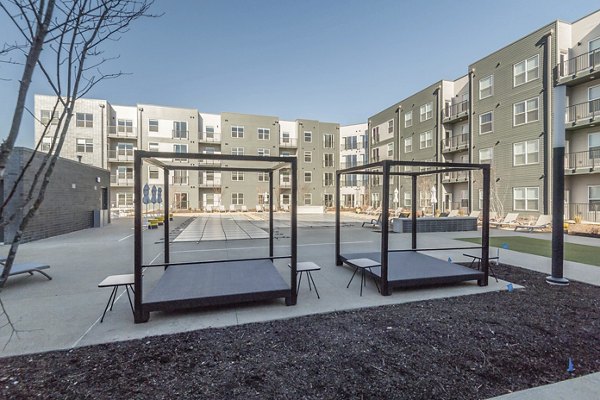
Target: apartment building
(500,112)
(106,135)
(353,152)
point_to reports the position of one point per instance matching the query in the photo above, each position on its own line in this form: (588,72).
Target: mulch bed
(470,347)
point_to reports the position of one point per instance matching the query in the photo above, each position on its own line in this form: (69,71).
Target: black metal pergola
(389,168)
(183,284)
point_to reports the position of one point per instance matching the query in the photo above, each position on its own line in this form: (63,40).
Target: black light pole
(558,188)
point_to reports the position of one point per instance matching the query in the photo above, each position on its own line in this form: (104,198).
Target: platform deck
(411,268)
(197,285)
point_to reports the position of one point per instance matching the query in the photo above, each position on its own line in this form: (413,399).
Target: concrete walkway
(583,388)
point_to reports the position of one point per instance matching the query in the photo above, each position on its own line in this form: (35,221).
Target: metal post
(385,207)
(166,216)
(294,260)
(558,185)
(271,229)
(414,212)
(485,227)
(139,315)
(338,259)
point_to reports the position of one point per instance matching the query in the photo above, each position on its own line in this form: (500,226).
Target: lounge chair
(244,209)
(542,223)
(221,208)
(474,214)
(232,208)
(285,207)
(453,213)
(208,209)
(27,268)
(509,220)
(375,223)
(259,208)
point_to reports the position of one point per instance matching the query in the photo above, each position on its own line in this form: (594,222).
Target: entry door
(448,201)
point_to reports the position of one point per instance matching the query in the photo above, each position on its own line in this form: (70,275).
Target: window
(328,200)
(328,179)
(408,119)
(285,199)
(307,136)
(180,177)
(328,160)
(153,125)
(307,177)
(375,155)
(526,152)
(328,140)
(391,126)
(285,137)
(237,199)
(486,123)
(594,97)
(426,140)
(350,143)
(83,120)
(284,177)
(85,145)
(210,132)
(263,177)
(426,111)
(526,198)
(124,172)
(264,152)
(594,198)
(124,200)
(424,199)
(594,145)
(48,117)
(237,131)
(307,199)
(237,176)
(153,173)
(526,70)
(181,201)
(285,154)
(408,145)
(407,199)
(594,50)
(264,134)
(46,144)
(308,156)
(526,111)
(152,146)
(180,148)
(390,149)
(180,130)
(237,151)
(124,126)
(486,87)
(486,155)
(375,135)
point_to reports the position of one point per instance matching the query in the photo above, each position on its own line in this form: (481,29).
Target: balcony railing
(583,111)
(583,62)
(213,138)
(210,162)
(456,110)
(117,180)
(587,211)
(179,180)
(456,142)
(455,176)
(589,160)
(344,165)
(120,155)
(180,134)
(349,182)
(288,142)
(353,146)
(122,132)
(285,184)
(210,183)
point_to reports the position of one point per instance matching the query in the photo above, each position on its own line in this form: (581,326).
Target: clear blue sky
(336,60)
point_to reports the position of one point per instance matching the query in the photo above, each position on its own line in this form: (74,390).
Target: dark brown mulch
(470,347)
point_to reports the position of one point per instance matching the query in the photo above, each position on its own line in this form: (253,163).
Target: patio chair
(375,223)
(244,209)
(208,209)
(285,207)
(259,208)
(474,214)
(542,223)
(27,268)
(222,209)
(453,213)
(369,210)
(509,220)
(232,208)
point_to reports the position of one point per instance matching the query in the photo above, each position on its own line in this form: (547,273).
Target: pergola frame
(152,157)
(384,168)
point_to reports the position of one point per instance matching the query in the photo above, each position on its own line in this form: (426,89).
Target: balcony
(211,137)
(456,112)
(121,155)
(582,162)
(344,165)
(285,184)
(179,180)
(210,162)
(289,143)
(122,132)
(353,146)
(583,114)
(589,212)
(117,180)
(579,69)
(455,143)
(211,183)
(180,134)
(350,182)
(455,177)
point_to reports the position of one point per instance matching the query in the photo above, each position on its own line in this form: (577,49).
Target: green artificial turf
(573,252)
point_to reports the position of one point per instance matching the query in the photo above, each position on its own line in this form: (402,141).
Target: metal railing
(587,211)
(210,183)
(583,159)
(588,110)
(349,182)
(122,132)
(120,155)
(203,138)
(455,110)
(455,142)
(180,134)
(579,63)
(455,176)
(354,146)
(285,184)
(288,142)
(117,180)
(179,180)
(344,165)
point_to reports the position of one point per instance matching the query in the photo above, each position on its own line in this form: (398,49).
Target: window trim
(527,79)
(491,150)
(309,154)
(526,199)
(491,77)
(526,153)
(266,133)
(305,176)
(411,145)
(239,131)
(526,112)
(150,125)
(421,113)
(491,123)
(426,140)
(309,137)
(408,119)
